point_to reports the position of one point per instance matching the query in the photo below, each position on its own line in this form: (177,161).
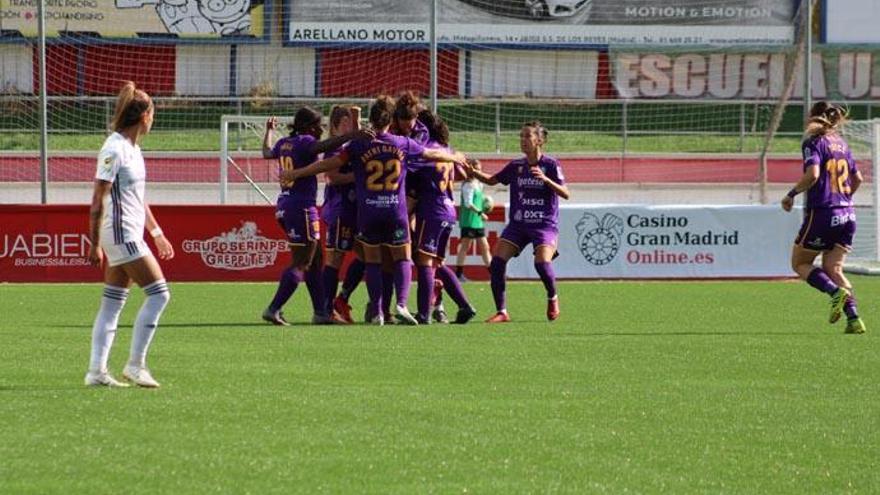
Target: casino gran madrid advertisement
(670,242)
(196,20)
(541,22)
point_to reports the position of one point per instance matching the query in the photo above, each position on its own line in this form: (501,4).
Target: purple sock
(353,277)
(387,292)
(402,281)
(498,271)
(315,284)
(545,271)
(374,287)
(290,278)
(452,286)
(820,281)
(849,307)
(426,290)
(331,284)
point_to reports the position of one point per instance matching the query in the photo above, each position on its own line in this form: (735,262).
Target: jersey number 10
(839,171)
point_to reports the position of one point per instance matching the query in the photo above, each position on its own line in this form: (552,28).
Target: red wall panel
(370,71)
(102,68)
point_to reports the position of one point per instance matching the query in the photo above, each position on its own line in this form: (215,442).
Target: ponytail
(131,105)
(825,118)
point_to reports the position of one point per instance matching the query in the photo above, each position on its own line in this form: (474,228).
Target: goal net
(863,137)
(657,105)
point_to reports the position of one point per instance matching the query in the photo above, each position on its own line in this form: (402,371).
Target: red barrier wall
(211,243)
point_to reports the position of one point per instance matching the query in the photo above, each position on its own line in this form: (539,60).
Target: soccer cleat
(439,314)
(465,315)
(102,379)
(499,317)
(342,308)
(462,278)
(553,308)
(331,319)
(422,320)
(140,376)
(404,317)
(856,325)
(373,319)
(838,299)
(275,317)
(388,318)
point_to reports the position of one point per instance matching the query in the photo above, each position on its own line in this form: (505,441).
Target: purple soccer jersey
(295,152)
(338,200)
(532,203)
(380,167)
(431,184)
(836,166)
(420,133)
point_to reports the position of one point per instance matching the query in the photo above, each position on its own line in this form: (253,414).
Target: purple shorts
(824,228)
(432,236)
(340,234)
(300,223)
(388,230)
(521,236)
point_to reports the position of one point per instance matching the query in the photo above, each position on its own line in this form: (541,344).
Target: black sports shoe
(465,315)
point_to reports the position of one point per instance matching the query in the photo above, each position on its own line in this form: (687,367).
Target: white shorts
(118,254)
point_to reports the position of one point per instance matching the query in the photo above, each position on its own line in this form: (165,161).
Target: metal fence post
(498,127)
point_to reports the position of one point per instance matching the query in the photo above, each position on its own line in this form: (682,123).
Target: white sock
(147,320)
(104,329)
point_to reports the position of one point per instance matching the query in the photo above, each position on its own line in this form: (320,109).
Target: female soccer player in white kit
(117,218)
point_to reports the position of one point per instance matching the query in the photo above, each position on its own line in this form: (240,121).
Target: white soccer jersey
(122,163)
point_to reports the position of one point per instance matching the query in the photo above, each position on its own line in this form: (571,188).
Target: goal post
(863,137)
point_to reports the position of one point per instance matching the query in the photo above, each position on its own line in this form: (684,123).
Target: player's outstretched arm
(333,143)
(478,174)
(332,163)
(811,175)
(337,178)
(438,155)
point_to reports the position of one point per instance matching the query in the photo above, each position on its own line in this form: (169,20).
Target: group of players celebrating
(388,185)
(389,199)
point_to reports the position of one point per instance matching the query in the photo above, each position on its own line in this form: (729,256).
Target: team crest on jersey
(599,240)
(237,249)
(399,234)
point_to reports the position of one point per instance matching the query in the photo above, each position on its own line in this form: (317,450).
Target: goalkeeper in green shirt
(471,218)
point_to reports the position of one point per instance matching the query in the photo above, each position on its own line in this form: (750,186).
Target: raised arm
(332,163)
(269,138)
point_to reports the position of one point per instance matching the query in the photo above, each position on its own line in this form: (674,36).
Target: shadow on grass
(182,325)
(683,334)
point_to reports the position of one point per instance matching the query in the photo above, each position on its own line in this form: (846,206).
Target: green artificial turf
(657,387)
